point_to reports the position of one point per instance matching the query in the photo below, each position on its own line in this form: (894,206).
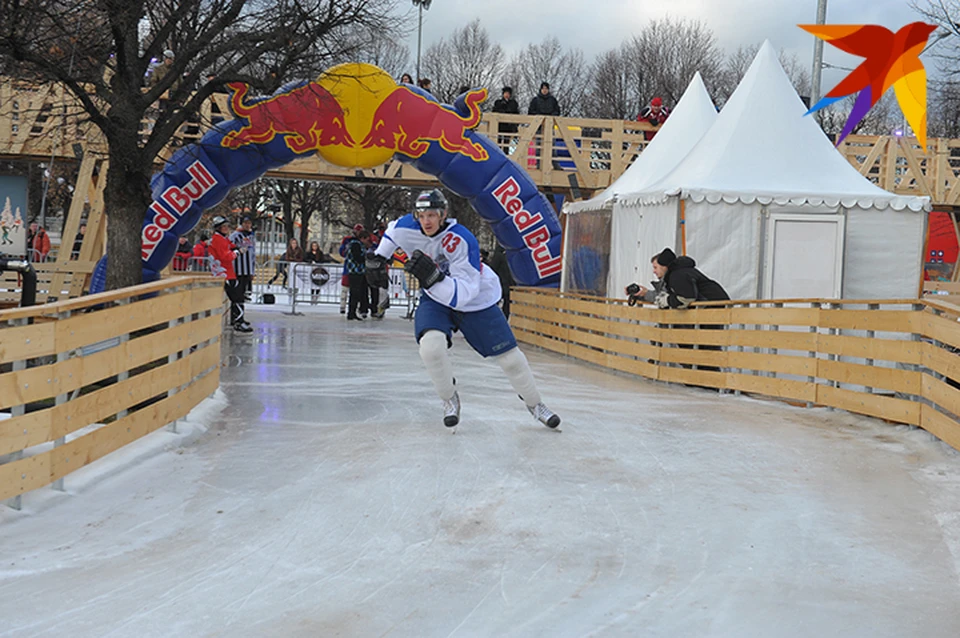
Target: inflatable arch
(354,115)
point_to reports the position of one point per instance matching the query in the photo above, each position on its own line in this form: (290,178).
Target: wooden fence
(84,377)
(896,360)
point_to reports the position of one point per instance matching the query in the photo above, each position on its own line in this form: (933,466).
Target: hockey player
(223,253)
(458,294)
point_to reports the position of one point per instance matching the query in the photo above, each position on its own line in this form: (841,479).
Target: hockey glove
(424,269)
(377,271)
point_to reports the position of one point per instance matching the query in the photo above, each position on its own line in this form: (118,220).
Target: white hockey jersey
(469,285)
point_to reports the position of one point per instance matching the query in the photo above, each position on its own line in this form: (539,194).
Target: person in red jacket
(223,252)
(201,250)
(41,245)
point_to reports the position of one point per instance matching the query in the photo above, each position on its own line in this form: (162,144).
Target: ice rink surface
(327,499)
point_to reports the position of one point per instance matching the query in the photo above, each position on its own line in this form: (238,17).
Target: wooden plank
(784,340)
(42,382)
(941,394)
(893,379)
(775,316)
(80,196)
(890,408)
(715,358)
(23,342)
(899,351)
(772,387)
(913,164)
(872,156)
(693,377)
(784,364)
(940,425)
(941,360)
(82,330)
(42,469)
(34,428)
(695,336)
(942,329)
(878,320)
(541,342)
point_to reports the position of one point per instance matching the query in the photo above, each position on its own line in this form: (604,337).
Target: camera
(632,290)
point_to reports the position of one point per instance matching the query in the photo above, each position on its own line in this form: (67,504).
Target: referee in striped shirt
(246,263)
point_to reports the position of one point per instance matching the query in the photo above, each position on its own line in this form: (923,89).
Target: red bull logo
(309,117)
(537,239)
(407,122)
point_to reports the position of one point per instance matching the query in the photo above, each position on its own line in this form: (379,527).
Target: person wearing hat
(458,294)
(344,275)
(246,262)
(543,103)
(682,282)
(507,104)
(223,253)
(655,114)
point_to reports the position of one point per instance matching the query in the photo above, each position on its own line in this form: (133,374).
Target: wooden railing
(55,282)
(82,378)
(38,121)
(895,360)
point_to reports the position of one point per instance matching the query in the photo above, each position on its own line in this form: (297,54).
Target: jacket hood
(683,262)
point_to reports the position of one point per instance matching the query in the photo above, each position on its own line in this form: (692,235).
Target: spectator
(683,283)
(201,250)
(636,292)
(246,263)
(544,103)
(499,265)
(293,255)
(406,78)
(162,69)
(485,256)
(31,233)
(78,241)
(344,275)
(425,84)
(655,115)
(224,253)
(507,104)
(315,255)
(181,259)
(40,244)
(354,264)
(463,89)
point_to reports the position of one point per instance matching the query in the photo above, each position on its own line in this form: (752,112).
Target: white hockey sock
(515,366)
(433,351)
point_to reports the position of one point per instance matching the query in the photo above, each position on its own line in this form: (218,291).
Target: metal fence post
(60,400)
(18,410)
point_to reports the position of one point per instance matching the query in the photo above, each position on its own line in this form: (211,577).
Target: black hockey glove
(424,269)
(377,271)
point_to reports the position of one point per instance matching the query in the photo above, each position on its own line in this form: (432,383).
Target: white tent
(694,114)
(769,208)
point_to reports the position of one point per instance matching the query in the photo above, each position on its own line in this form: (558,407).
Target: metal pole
(419,42)
(818,55)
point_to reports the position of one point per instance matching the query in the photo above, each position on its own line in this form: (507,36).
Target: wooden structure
(896,360)
(82,378)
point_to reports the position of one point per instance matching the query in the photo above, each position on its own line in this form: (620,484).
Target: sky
(598,25)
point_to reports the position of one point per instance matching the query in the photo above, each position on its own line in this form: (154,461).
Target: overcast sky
(597,25)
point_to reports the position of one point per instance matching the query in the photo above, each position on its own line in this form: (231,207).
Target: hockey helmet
(219,221)
(431,200)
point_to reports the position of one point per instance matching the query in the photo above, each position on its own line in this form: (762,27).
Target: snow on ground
(327,499)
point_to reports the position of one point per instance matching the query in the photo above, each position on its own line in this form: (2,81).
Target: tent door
(804,256)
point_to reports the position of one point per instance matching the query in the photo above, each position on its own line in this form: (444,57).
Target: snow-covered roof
(694,114)
(763,148)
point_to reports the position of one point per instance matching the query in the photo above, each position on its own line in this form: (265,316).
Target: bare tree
(467,59)
(612,94)
(548,61)
(373,203)
(94,48)
(667,53)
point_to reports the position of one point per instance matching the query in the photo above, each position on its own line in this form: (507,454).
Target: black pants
(235,295)
(281,270)
(358,295)
(506,303)
(374,304)
(246,283)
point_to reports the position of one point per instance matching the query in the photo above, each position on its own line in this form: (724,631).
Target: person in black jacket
(544,103)
(498,262)
(683,283)
(506,104)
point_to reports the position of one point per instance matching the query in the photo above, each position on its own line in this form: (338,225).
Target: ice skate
(451,411)
(242,326)
(543,414)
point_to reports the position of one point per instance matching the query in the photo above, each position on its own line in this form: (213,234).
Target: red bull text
(536,240)
(179,200)
(406,121)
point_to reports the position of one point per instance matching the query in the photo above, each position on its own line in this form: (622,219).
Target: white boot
(451,411)
(543,414)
